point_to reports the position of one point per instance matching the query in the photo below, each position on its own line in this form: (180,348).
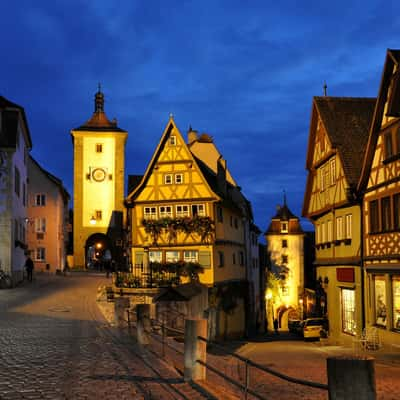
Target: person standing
(29,268)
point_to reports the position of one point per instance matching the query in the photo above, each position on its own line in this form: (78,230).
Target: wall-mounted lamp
(92,220)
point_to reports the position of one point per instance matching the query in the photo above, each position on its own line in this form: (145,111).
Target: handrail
(266,369)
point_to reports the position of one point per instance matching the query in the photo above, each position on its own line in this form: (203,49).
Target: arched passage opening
(98,252)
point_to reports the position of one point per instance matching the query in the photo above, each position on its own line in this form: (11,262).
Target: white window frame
(332,167)
(182,210)
(178,179)
(348,226)
(168,179)
(199,208)
(284,227)
(40,254)
(150,212)
(191,256)
(40,200)
(165,211)
(172,256)
(339,228)
(40,225)
(155,256)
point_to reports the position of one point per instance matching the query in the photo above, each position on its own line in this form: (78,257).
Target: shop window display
(396,302)
(380,301)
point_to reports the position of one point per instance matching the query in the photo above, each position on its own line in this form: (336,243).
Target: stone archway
(283,313)
(97,250)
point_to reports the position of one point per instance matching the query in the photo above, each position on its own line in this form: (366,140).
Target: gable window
(284,227)
(373,216)
(17,181)
(150,213)
(168,179)
(332,166)
(182,211)
(190,256)
(348,226)
(339,228)
(198,209)
(165,211)
(178,178)
(386,214)
(40,254)
(40,225)
(172,140)
(99,147)
(40,200)
(388,144)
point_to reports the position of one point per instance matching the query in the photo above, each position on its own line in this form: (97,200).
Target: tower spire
(99,100)
(325,87)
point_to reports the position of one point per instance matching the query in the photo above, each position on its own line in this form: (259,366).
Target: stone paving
(55,344)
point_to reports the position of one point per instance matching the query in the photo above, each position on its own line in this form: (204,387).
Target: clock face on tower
(98,174)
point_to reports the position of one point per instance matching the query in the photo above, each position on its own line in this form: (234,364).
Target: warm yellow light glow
(268,296)
(93,221)
(98,245)
(301,301)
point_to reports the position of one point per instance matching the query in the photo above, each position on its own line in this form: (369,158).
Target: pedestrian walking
(29,268)
(276,326)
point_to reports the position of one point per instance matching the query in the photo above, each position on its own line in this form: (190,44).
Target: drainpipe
(362,265)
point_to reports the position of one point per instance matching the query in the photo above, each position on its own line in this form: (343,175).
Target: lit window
(190,256)
(182,211)
(165,211)
(284,227)
(171,256)
(99,148)
(332,166)
(150,213)
(339,228)
(380,301)
(348,226)
(172,140)
(178,178)
(396,301)
(198,209)
(168,179)
(40,200)
(40,254)
(40,225)
(155,256)
(348,311)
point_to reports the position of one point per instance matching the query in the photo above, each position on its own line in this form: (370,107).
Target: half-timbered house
(380,182)
(189,220)
(337,141)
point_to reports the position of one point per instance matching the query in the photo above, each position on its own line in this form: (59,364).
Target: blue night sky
(244,72)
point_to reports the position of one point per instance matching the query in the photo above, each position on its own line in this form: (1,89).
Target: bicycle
(5,280)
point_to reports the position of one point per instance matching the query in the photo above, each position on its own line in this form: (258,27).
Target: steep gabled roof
(392,61)
(170,126)
(346,121)
(8,128)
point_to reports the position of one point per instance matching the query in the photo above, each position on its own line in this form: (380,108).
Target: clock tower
(99,164)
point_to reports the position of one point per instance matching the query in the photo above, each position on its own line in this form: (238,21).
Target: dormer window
(284,227)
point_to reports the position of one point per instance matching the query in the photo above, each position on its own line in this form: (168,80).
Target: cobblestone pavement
(55,344)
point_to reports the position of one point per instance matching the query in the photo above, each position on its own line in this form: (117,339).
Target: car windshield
(314,322)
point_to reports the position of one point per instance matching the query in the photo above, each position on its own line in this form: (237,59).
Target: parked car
(314,328)
(294,325)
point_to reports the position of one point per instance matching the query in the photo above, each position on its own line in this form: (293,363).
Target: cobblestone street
(55,344)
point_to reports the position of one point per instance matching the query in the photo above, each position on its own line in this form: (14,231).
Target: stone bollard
(351,378)
(143,323)
(121,304)
(195,349)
